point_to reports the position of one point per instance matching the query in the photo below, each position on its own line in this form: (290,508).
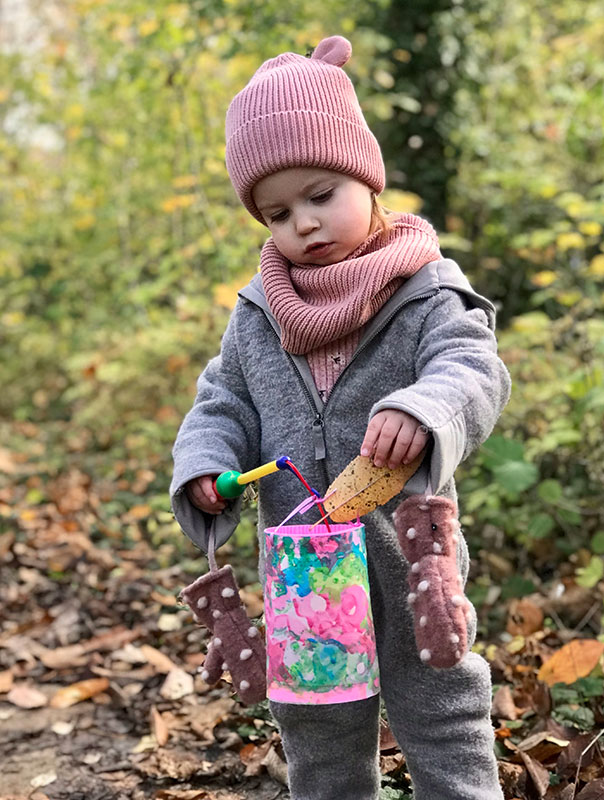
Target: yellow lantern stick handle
(232,483)
(259,472)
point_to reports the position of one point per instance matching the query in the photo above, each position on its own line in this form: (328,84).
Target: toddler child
(357,335)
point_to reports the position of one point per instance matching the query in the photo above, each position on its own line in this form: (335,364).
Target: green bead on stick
(227,485)
(231,484)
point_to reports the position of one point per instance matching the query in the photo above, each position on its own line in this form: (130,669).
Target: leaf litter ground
(100,690)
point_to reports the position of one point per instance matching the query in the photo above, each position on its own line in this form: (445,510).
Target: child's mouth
(319,249)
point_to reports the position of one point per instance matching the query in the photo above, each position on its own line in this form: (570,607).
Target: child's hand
(394,437)
(201,493)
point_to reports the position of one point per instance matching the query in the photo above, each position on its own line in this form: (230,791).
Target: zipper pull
(318,437)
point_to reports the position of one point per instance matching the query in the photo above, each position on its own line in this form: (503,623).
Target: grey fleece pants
(440,718)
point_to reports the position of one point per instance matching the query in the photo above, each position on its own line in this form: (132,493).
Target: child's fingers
(201,493)
(372,434)
(420,440)
(193,492)
(388,435)
(207,487)
(401,446)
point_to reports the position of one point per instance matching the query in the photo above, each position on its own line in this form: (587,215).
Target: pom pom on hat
(300,112)
(334,50)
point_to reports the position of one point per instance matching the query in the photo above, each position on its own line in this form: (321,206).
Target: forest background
(122,246)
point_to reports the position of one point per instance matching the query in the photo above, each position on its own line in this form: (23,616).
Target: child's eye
(280,216)
(323,197)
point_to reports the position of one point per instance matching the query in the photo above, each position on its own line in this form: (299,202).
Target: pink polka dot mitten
(237,645)
(428,532)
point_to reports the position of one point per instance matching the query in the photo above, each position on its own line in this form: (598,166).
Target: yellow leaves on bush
(117,140)
(171,204)
(184,181)
(148,26)
(4,95)
(83,202)
(576,208)
(596,266)
(516,645)
(86,5)
(590,228)
(225,294)
(570,241)
(74,112)
(544,278)
(403,202)
(401,55)
(383,78)
(84,222)
(120,18)
(12,318)
(575,660)
(569,298)
(531,323)
(122,33)
(548,191)
(177,10)
(73,132)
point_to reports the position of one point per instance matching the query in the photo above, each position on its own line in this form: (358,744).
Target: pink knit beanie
(300,112)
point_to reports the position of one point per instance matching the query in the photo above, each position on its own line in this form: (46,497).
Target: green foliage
(577,705)
(391,791)
(408,95)
(112,155)
(526,208)
(516,586)
(592,574)
(539,479)
(122,243)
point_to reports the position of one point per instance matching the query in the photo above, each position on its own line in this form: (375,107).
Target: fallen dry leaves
(575,660)
(6,681)
(82,690)
(159,727)
(73,655)
(89,674)
(26,697)
(156,658)
(177,684)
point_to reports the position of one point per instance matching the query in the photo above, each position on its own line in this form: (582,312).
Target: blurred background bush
(122,244)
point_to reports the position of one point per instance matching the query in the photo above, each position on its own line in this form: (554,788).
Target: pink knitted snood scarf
(315,305)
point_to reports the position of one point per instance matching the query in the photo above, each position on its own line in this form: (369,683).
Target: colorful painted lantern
(319,628)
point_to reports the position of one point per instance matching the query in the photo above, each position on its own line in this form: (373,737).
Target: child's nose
(306,222)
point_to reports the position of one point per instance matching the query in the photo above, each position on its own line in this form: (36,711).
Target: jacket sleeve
(461,384)
(220,432)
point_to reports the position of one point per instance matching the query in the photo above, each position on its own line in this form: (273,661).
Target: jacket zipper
(318,423)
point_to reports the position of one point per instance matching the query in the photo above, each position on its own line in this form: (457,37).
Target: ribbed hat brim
(285,139)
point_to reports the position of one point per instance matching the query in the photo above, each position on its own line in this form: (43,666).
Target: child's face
(315,216)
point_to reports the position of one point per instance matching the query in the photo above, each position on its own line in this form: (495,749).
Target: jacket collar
(430,279)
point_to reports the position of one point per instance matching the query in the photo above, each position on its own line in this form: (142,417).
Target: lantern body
(320,638)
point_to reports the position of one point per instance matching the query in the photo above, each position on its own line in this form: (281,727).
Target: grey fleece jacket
(429,351)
